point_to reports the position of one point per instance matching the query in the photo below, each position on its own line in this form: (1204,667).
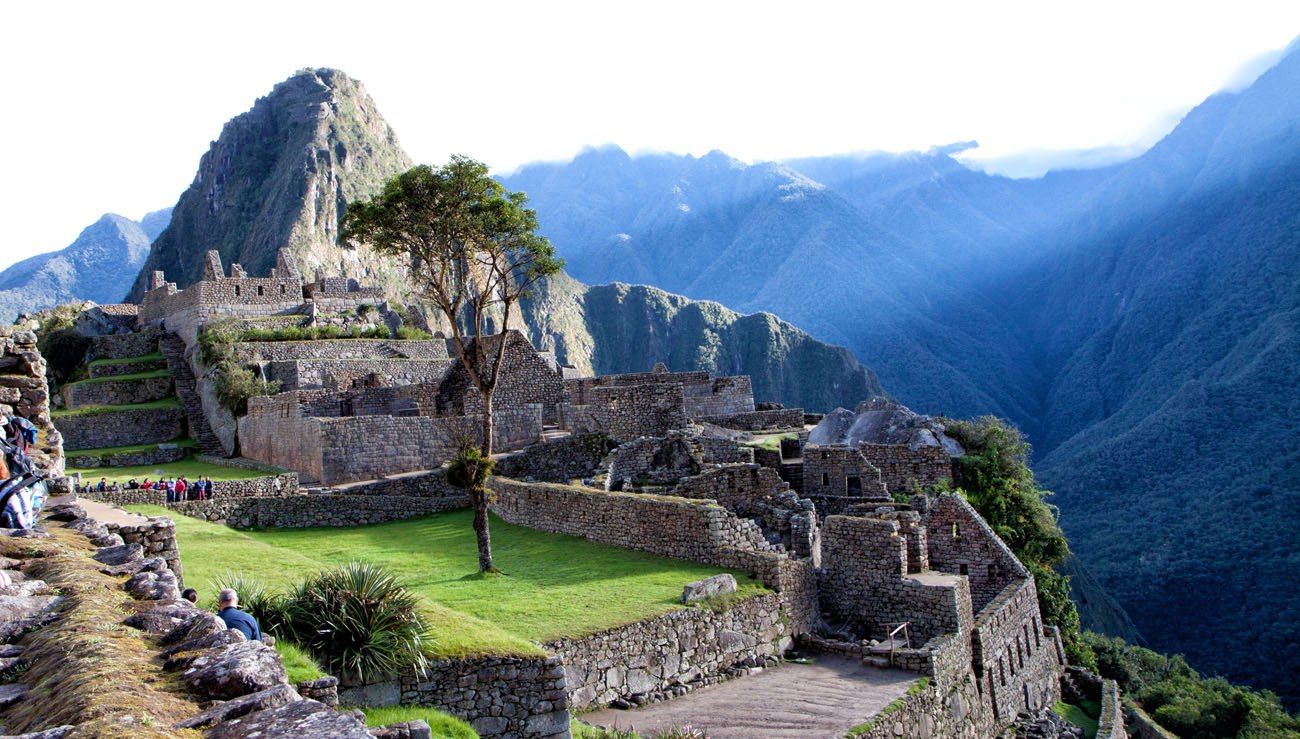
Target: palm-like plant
(359,622)
(267,606)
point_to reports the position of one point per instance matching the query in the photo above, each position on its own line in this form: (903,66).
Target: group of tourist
(228,611)
(178,489)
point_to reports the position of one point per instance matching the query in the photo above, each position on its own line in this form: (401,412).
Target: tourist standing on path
(236,619)
(171,490)
(181,487)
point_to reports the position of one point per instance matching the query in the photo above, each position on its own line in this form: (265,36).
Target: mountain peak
(278,177)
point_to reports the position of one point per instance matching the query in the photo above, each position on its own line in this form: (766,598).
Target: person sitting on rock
(228,603)
(190,594)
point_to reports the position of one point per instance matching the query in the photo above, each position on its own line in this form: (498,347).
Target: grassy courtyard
(555,586)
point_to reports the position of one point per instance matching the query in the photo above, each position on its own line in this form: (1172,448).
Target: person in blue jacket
(228,603)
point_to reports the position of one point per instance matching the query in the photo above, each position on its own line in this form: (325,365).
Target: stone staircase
(173,348)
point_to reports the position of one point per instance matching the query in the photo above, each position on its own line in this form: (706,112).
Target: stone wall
(24,391)
(124,346)
(1140,725)
(285,351)
(121,427)
(116,392)
(313,511)
(737,487)
(838,471)
(157,537)
(628,412)
(516,697)
(1015,659)
(672,653)
(526,378)
(340,449)
(162,454)
(907,470)
(720,396)
(961,543)
(1110,723)
(784,418)
(255,487)
(564,459)
(342,373)
(864,583)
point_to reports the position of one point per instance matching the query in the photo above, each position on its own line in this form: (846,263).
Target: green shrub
(413,333)
(236,384)
(359,622)
(579,730)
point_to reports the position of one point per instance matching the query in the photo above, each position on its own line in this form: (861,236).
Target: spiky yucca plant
(359,622)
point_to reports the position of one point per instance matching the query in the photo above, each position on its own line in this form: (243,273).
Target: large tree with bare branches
(474,252)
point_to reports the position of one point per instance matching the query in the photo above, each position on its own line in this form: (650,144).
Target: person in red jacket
(181,487)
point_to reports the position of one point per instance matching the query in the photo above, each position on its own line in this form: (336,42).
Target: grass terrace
(185,443)
(91,410)
(150,375)
(189,467)
(555,586)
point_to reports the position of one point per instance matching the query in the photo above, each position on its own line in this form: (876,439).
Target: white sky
(108,106)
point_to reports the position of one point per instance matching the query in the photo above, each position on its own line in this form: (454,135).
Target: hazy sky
(108,106)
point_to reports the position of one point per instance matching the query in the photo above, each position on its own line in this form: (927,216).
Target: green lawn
(183,443)
(155,357)
(445,726)
(298,665)
(1079,717)
(555,586)
(89,410)
(191,468)
(774,442)
(125,378)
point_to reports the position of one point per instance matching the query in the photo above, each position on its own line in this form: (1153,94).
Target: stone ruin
(835,521)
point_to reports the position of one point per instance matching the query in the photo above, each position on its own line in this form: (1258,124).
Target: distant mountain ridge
(1139,321)
(96,266)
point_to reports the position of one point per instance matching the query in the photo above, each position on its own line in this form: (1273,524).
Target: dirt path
(824,699)
(102,512)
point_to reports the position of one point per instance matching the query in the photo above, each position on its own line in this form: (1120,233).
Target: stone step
(173,349)
(875,660)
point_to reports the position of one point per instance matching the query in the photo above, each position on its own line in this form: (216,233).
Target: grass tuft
(444,725)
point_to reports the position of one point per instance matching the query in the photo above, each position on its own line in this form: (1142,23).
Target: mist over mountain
(1138,321)
(103,259)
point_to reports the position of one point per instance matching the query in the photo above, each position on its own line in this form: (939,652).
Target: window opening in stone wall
(965,569)
(826,479)
(1038,630)
(236,291)
(826,455)
(854,486)
(1002,670)
(282,289)
(956,530)
(1029,643)
(259,291)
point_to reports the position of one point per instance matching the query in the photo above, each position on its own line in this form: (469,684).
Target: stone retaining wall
(935,712)
(24,390)
(312,511)
(1016,659)
(1110,723)
(116,392)
(157,537)
(127,368)
(124,346)
(516,697)
(1141,725)
(157,455)
(255,487)
(670,654)
(785,418)
(280,351)
(339,373)
(121,427)
(907,470)
(557,460)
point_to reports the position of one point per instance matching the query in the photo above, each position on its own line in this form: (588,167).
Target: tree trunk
(480,498)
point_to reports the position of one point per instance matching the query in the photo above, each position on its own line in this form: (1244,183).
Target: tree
(473,250)
(995,477)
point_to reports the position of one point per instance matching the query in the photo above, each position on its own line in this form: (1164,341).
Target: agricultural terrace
(554,586)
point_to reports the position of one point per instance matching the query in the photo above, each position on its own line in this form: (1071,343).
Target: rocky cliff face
(627,328)
(278,177)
